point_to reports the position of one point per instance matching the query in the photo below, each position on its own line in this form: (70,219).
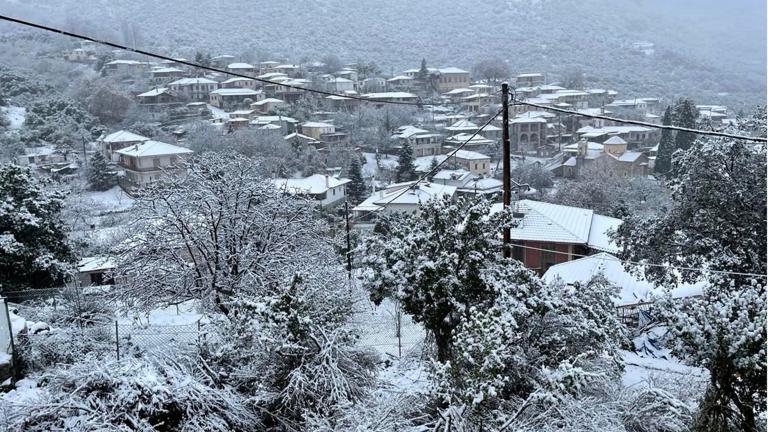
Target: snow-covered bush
(133,395)
(288,349)
(62,346)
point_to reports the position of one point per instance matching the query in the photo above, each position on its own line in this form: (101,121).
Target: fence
(387,329)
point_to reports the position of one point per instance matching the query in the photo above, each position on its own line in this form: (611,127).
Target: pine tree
(432,165)
(33,244)
(685,115)
(666,145)
(100,177)
(406,170)
(356,189)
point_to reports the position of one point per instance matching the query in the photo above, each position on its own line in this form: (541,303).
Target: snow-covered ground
(110,201)
(15,115)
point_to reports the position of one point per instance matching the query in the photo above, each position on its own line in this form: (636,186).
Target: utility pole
(506,154)
(349,243)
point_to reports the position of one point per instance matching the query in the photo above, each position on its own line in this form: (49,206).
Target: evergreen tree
(432,165)
(406,170)
(718,221)
(100,177)
(666,145)
(33,243)
(685,115)
(357,191)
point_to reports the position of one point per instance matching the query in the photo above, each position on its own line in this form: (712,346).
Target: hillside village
(293,211)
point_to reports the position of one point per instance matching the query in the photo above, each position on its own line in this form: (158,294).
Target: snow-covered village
(383,216)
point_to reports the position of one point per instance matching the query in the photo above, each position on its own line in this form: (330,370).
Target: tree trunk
(443,343)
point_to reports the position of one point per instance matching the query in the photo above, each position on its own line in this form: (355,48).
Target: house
(398,197)
(265,106)
(196,89)
(390,97)
(474,162)
(146,162)
(529,80)
(634,291)
(109,144)
(286,124)
(226,98)
(528,132)
(289,69)
(423,142)
(242,68)
(80,55)
(239,82)
(452,78)
(96,271)
(476,143)
(468,127)
(400,83)
(300,141)
(316,130)
(160,74)
(328,190)
(476,102)
(158,97)
(42,157)
(339,85)
(545,234)
(373,85)
(635,136)
(125,67)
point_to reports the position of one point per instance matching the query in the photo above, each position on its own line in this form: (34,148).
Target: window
(156,162)
(548,259)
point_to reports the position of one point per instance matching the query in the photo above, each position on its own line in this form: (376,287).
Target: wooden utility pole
(506,154)
(349,243)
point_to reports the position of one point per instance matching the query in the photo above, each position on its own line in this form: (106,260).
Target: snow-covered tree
(100,176)
(357,191)
(436,264)
(406,170)
(685,115)
(218,231)
(666,145)
(601,188)
(717,222)
(33,240)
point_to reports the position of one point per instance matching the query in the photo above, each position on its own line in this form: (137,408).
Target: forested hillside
(717,48)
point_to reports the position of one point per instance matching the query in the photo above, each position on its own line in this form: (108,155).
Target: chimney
(327,182)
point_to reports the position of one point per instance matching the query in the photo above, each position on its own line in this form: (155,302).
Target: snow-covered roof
(316,125)
(633,289)
(236,92)
(529,75)
(482,186)
(237,79)
(590,146)
(528,119)
(390,95)
(400,78)
(240,66)
(166,70)
(313,185)
(459,91)
(418,194)
(463,125)
(153,148)
(298,135)
(469,155)
(270,119)
(268,100)
(272,75)
(96,263)
(629,156)
(340,80)
(155,92)
(408,131)
(562,224)
(462,137)
(192,81)
(612,129)
(452,70)
(123,136)
(615,140)
(459,175)
(270,126)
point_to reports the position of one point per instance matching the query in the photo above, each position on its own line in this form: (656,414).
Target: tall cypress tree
(666,145)
(406,170)
(685,116)
(100,177)
(356,191)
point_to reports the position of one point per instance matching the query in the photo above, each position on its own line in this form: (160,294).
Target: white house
(395,199)
(145,163)
(196,89)
(327,190)
(109,144)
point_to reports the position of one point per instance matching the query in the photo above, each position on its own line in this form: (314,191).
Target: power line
(641,123)
(436,168)
(638,263)
(197,65)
